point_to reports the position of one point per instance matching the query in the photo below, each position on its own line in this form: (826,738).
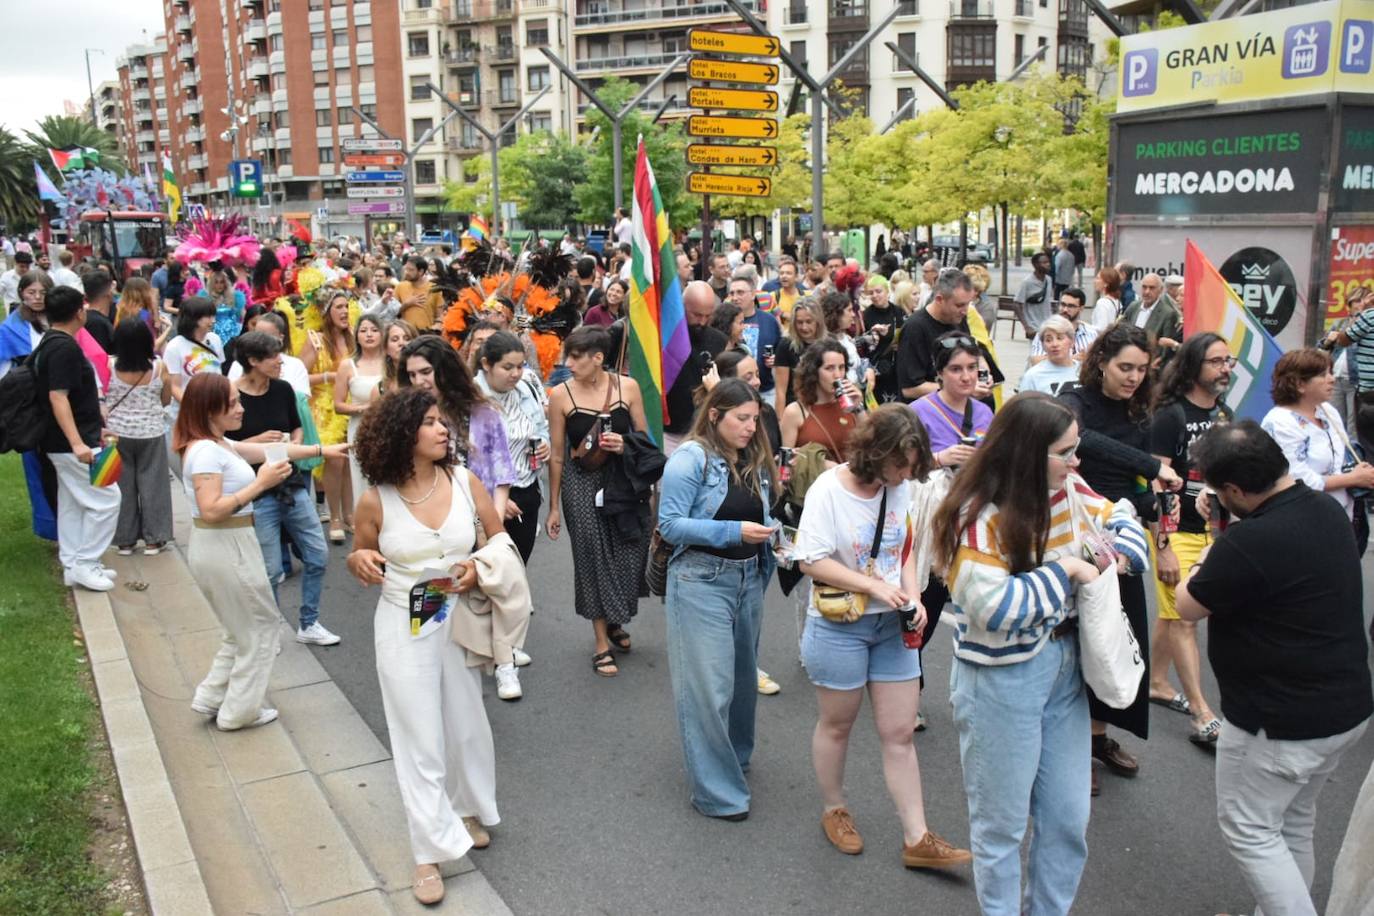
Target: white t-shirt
(65,276)
(293,372)
(1105,313)
(207,457)
(839,524)
(1051,379)
(624,231)
(187,359)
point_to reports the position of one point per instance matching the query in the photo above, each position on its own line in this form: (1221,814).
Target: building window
(506,91)
(366,73)
(419,127)
(283,157)
(339,37)
(424,171)
(417,44)
(798,51)
(274,43)
(904,96)
(972,49)
(907,42)
(369,110)
(321,78)
(1019,50)
(326,155)
(317,41)
(324,117)
(316,5)
(541,120)
(282,119)
(469,137)
(538,77)
(419,88)
(363,33)
(343,76)
(345,116)
(537,32)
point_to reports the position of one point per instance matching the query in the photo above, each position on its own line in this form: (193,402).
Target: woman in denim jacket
(714,506)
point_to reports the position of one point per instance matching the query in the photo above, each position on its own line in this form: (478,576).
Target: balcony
(418,17)
(498,99)
(971,51)
(795,13)
(195,134)
(468,99)
(600,13)
(256,31)
(286,171)
(263,144)
(464,11)
(192,107)
(466,56)
(250,5)
(190,79)
(145,136)
(262,105)
(501,52)
(138,71)
(636,62)
(186,52)
(147,158)
(1073,19)
(274,22)
(141,95)
(971,9)
(182,23)
(848,15)
(257,68)
(198,161)
(855,72)
(164,137)
(469,144)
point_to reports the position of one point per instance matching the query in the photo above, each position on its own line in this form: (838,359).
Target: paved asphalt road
(596,817)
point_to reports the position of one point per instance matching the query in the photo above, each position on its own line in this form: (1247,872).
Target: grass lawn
(47,721)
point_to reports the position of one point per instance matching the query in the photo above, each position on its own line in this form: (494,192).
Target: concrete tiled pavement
(300,816)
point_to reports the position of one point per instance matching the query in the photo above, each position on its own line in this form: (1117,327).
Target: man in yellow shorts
(1189,404)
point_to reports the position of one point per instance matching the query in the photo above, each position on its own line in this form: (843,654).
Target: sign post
(389,144)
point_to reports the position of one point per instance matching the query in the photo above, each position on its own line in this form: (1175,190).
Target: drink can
(913,637)
(1167,503)
(534,457)
(847,402)
(785,464)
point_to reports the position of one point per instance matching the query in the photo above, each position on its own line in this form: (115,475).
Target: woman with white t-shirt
(224,556)
(195,349)
(1107,285)
(856,538)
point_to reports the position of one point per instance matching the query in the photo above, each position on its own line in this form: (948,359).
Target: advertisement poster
(1352,266)
(1242,163)
(1269,267)
(1354,168)
(1302,50)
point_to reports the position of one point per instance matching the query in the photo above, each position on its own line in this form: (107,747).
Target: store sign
(1352,266)
(1265,283)
(1248,163)
(1354,168)
(1316,48)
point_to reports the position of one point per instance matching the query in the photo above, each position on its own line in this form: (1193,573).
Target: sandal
(428,885)
(336,536)
(619,638)
(1178,703)
(603,663)
(1206,737)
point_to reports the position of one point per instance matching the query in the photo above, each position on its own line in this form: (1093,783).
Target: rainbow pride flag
(107,466)
(1210,304)
(478,228)
(658,344)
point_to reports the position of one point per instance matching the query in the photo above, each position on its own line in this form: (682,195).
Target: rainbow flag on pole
(658,344)
(1210,304)
(478,228)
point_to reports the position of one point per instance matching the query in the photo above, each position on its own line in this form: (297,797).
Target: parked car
(974,250)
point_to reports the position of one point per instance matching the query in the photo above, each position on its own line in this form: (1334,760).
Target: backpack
(23,414)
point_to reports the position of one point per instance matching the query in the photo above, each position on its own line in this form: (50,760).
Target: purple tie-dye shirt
(488,451)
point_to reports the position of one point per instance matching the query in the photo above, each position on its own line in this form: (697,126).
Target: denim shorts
(846,656)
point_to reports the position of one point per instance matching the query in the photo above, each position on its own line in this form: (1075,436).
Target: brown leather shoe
(934,851)
(480,838)
(839,829)
(1115,758)
(428,884)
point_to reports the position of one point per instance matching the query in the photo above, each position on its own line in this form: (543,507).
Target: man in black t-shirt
(947,311)
(66,382)
(99,289)
(1189,406)
(699,302)
(1281,590)
(270,415)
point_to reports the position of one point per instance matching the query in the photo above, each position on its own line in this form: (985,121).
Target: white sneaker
(124,551)
(89,578)
(508,683)
(316,635)
(204,708)
(107,572)
(265,715)
(522,658)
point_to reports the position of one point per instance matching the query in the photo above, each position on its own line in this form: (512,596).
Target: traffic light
(245,178)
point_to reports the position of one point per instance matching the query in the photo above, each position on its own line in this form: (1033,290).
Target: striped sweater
(1003,617)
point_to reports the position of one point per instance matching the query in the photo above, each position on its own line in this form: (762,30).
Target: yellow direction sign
(729,185)
(731,71)
(735,99)
(753,128)
(733,43)
(705,154)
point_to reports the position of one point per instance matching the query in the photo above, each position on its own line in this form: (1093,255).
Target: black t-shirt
(1118,453)
(916,348)
(680,404)
(788,357)
(62,366)
(273,409)
(99,326)
(741,504)
(884,358)
(1286,636)
(1174,430)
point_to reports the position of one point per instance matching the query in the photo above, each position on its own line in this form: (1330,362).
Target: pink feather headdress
(219,239)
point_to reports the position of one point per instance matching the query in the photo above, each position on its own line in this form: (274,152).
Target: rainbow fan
(107,466)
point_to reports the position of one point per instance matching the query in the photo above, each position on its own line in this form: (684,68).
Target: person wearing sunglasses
(1009,535)
(947,311)
(1112,406)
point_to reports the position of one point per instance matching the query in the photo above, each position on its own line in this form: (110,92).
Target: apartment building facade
(108,114)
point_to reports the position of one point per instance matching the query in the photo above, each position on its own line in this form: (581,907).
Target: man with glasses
(947,311)
(1189,405)
(1071,303)
(1156,313)
(761,329)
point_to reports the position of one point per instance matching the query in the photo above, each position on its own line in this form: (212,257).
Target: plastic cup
(276,452)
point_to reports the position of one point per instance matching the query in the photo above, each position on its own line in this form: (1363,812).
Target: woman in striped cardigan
(1011,548)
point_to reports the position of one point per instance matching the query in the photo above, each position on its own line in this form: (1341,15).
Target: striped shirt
(1361,331)
(1083,336)
(1003,617)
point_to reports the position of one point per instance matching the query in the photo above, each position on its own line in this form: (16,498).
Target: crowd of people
(850,433)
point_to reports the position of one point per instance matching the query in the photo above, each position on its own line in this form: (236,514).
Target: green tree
(540,172)
(851,160)
(471,193)
(67,131)
(18,191)
(791,188)
(666,147)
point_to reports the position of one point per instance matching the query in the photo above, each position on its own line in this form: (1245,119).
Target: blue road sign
(378,175)
(245,178)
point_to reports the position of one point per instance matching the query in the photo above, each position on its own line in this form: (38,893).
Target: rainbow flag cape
(107,466)
(478,228)
(1210,304)
(658,344)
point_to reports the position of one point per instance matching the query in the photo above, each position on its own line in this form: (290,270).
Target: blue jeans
(715,608)
(1025,745)
(293,511)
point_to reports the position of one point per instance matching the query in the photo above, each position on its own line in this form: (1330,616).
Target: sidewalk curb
(171,876)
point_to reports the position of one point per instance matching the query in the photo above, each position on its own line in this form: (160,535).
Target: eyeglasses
(950,343)
(1068,454)
(1217,362)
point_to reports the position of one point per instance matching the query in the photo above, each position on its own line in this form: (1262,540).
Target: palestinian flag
(76,157)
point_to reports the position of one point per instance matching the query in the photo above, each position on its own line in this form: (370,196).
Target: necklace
(434,485)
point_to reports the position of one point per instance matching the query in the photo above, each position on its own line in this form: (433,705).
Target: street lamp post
(1003,137)
(90,86)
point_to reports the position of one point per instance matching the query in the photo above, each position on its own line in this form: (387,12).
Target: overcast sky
(44,60)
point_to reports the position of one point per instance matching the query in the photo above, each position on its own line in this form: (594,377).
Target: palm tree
(67,131)
(18,192)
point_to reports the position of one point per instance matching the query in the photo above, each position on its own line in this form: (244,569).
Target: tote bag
(1109,652)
